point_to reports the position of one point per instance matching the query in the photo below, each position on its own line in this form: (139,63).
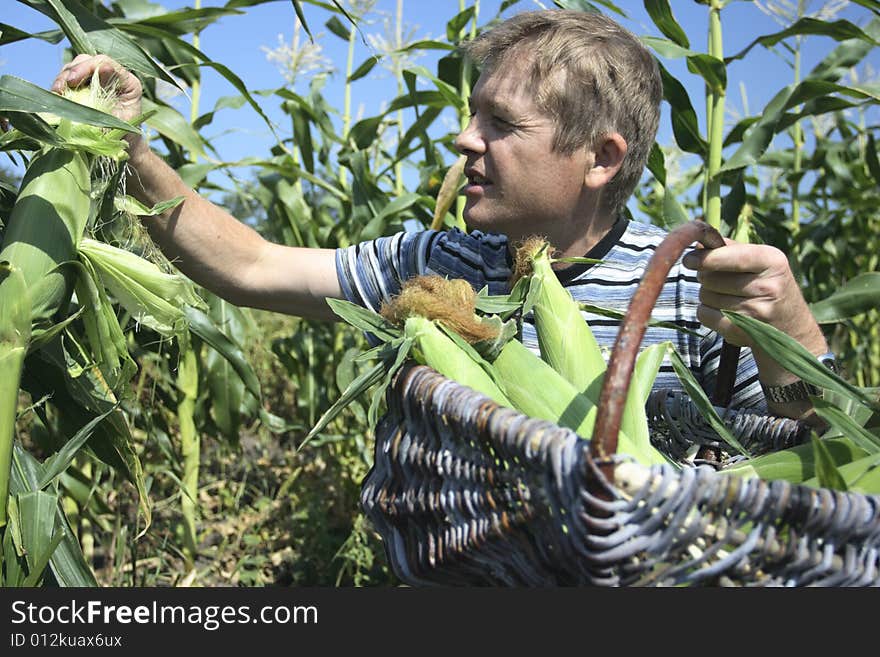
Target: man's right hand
(204,241)
(80,70)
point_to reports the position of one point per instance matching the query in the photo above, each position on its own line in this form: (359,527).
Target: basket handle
(620,366)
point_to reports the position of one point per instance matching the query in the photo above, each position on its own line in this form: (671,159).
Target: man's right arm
(205,242)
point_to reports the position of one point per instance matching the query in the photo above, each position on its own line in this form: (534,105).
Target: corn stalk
(715,96)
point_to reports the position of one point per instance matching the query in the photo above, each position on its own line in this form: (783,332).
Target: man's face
(516,183)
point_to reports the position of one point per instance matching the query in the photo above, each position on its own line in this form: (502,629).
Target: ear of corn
(564,338)
(154,298)
(15,328)
(46,225)
(446,357)
(539,391)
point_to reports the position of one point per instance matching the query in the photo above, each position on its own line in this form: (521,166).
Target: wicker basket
(466,492)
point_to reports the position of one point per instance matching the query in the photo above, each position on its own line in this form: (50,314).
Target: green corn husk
(565,340)
(15,327)
(442,354)
(796,464)
(154,298)
(539,391)
(46,225)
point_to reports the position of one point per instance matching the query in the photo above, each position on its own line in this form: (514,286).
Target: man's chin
(476,220)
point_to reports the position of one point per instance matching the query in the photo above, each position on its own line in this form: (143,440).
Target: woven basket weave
(464,491)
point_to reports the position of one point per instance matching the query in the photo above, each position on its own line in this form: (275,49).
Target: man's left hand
(755,280)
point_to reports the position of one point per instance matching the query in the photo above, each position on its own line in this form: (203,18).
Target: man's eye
(502,122)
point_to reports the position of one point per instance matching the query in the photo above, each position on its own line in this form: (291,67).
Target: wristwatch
(799,390)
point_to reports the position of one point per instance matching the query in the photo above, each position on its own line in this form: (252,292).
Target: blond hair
(591,75)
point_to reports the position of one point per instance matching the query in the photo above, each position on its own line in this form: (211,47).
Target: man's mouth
(474,178)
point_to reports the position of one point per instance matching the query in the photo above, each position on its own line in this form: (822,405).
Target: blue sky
(239,42)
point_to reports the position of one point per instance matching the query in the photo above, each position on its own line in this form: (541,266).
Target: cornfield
(152,434)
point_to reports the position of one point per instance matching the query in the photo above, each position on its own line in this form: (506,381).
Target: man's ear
(606,162)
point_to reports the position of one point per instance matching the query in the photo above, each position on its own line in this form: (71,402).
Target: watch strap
(799,390)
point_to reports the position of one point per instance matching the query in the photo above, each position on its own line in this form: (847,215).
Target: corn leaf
(617,314)
(88,33)
(202,325)
(796,464)
(364,319)
(699,398)
(856,296)
(826,472)
(40,563)
(56,464)
(403,352)
(130,205)
(661,13)
(18,95)
(13,574)
(201,60)
(862,476)
(359,386)
(839,30)
(791,355)
(86,385)
(37,523)
(67,561)
(170,123)
(227,390)
(841,421)
(685,127)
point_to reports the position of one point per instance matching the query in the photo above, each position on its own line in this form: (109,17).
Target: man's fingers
(81,68)
(713,319)
(737,258)
(750,285)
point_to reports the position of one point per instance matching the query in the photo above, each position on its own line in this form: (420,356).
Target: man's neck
(574,241)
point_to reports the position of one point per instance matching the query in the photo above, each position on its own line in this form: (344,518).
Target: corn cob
(565,340)
(154,298)
(46,225)
(539,391)
(567,344)
(442,354)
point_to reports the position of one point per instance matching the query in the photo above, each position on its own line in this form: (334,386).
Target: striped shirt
(371,272)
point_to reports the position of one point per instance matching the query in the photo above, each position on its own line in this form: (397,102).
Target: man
(562,120)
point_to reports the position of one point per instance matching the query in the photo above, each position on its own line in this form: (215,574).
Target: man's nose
(470,140)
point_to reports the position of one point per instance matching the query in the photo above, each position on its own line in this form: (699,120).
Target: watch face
(830,362)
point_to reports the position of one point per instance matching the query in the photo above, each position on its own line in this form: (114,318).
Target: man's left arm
(756,280)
